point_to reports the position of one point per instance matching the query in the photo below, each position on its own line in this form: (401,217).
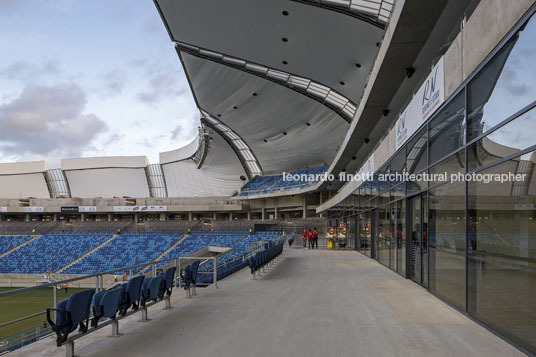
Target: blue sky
(89,78)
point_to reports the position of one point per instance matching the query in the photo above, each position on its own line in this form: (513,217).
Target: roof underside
(274,123)
(322,43)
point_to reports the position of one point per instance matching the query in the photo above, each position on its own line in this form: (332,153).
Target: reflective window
(507,140)
(502,252)
(382,237)
(442,171)
(446,241)
(505,85)
(417,152)
(399,228)
(447,129)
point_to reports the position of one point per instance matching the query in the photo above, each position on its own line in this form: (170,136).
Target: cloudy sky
(89,78)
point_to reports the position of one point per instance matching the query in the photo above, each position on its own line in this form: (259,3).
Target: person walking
(310,238)
(115,277)
(315,238)
(304,237)
(66,287)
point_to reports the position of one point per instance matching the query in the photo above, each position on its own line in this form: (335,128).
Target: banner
(3,209)
(34,209)
(86,209)
(140,208)
(425,102)
(69,209)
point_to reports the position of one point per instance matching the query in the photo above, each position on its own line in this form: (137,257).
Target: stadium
(361,181)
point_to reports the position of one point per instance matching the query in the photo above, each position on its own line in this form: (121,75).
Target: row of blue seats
(75,311)
(50,251)
(262,258)
(274,183)
(8,242)
(127,249)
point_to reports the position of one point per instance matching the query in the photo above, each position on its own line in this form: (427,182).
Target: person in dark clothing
(315,238)
(310,239)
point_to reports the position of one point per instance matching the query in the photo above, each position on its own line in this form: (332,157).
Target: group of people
(310,236)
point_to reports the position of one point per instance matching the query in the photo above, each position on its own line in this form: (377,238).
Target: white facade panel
(107,183)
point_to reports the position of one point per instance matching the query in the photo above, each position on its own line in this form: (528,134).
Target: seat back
(153,288)
(187,277)
(78,304)
(195,268)
(134,287)
(61,317)
(109,303)
(168,277)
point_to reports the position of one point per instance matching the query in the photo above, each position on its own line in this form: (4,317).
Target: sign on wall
(3,209)
(86,209)
(34,209)
(69,209)
(140,208)
(425,102)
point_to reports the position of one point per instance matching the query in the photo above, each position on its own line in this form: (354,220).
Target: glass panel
(447,129)
(502,253)
(446,225)
(416,239)
(515,136)
(400,229)
(441,172)
(505,85)
(365,234)
(382,234)
(417,152)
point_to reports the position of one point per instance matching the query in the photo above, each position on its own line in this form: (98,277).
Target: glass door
(418,264)
(415,242)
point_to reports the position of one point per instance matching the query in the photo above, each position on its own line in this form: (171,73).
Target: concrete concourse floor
(312,303)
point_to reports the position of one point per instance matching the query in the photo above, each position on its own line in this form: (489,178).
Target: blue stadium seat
(70,313)
(131,294)
(150,289)
(106,304)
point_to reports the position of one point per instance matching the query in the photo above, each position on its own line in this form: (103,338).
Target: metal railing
(35,333)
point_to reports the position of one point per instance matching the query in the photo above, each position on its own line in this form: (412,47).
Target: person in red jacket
(304,237)
(315,238)
(310,239)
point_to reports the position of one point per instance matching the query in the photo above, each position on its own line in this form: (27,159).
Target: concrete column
(304,206)
(249,215)
(263,209)
(189,216)
(136,217)
(214,216)
(321,201)
(162,216)
(82,217)
(109,217)
(276,212)
(27,217)
(1,218)
(55,217)
(230,216)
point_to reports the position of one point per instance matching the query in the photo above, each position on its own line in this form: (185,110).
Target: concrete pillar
(263,209)
(162,216)
(230,216)
(136,217)
(27,219)
(214,216)
(276,212)
(82,217)
(54,217)
(1,217)
(189,216)
(249,215)
(304,206)
(321,201)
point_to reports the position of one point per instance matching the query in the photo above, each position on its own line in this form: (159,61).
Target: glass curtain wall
(470,240)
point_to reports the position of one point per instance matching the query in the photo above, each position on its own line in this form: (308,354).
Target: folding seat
(70,313)
(187,277)
(131,294)
(167,282)
(150,289)
(195,268)
(106,304)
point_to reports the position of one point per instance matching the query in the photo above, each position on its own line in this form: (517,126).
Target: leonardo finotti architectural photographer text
(404,176)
